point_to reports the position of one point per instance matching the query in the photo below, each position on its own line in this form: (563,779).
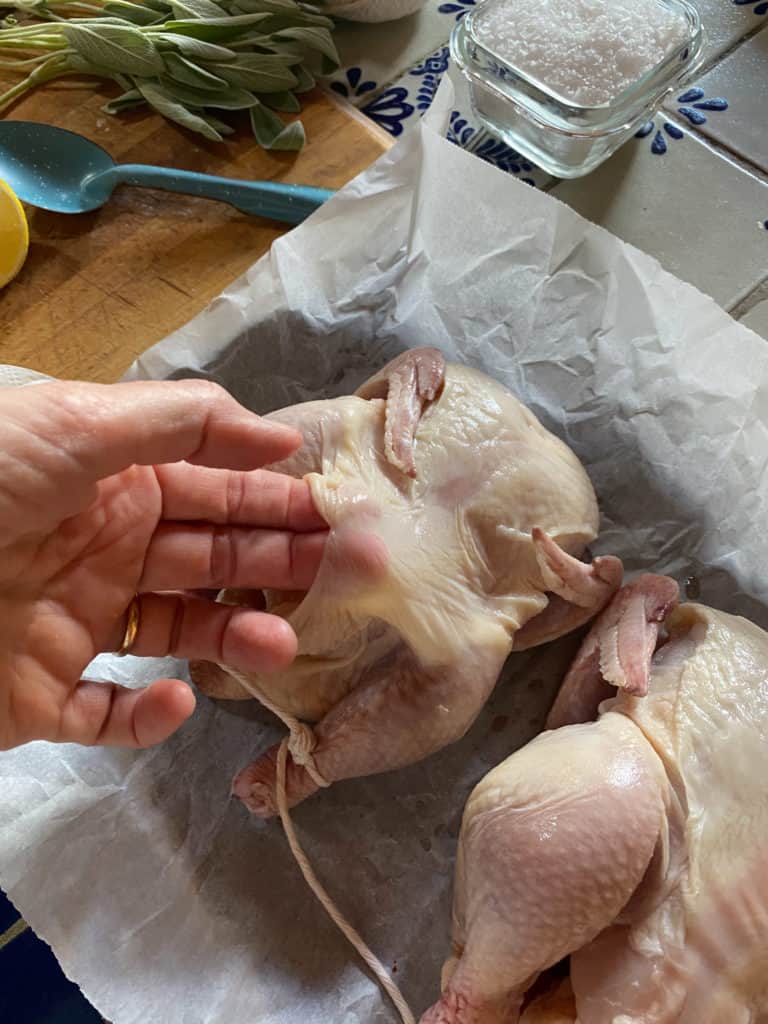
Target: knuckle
(235,497)
(77,407)
(207,392)
(222,569)
(175,637)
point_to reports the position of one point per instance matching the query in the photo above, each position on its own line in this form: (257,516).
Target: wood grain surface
(99,288)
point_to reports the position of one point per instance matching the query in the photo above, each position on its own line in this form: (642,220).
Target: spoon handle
(274,200)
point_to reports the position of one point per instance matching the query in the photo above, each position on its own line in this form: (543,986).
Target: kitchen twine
(300,744)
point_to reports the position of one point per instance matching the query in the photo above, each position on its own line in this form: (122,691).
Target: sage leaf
(304,80)
(185,58)
(230,98)
(278,22)
(272,133)
(257,72)
(188,73)
(266,125)
(286,7)
(82,66)
(105,19)
(130,99)
(292,139)
(315,38)
(158,5)
(273,6)
(216,30)
(253,42)
(118,48)
(197,9)
(124,81)
(195,49)
(328,65)
(217,125)
(137,14)
(168,107)
(283,101)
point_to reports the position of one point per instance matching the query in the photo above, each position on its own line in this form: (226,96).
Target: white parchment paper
(161,897)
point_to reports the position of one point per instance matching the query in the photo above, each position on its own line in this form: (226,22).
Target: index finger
(105,428)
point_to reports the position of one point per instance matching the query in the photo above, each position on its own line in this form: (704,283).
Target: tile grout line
(16,929)
(757,294)
(720,148)
(706,67)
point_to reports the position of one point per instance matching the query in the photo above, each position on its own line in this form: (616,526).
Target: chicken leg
(401,713)
(404,711)
(554,843)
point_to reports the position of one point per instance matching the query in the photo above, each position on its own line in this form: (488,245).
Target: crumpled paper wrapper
(161,897)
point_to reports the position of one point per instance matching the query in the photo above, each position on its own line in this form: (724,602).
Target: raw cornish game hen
(637,843)
(456,524)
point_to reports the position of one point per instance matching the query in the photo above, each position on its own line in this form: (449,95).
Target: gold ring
(132,628)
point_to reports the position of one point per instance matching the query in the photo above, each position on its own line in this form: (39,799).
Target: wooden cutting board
(99,288)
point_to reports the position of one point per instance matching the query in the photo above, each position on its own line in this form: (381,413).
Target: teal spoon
(61,171)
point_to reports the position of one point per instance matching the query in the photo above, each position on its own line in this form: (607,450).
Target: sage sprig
(187,59)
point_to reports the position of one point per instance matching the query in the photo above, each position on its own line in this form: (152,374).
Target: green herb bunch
(184,58)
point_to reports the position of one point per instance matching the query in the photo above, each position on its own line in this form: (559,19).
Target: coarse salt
(585,51)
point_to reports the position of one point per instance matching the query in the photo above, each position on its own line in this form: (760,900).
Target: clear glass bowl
(563,138)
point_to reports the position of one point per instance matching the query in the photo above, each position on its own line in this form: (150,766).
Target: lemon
(14,235)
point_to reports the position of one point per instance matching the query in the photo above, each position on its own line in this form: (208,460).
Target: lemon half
(14,235)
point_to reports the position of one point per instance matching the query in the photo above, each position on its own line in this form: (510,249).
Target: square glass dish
(563,137)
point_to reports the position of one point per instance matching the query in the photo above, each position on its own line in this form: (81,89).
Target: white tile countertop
(691,189)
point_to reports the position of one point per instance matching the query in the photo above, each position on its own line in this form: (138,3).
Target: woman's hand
(103,495)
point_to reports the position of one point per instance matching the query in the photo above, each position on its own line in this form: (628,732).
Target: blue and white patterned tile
(425,78)
(404,102)
(383,52)
(470,136)
(466,131)
(694,107)
(739,86)
(400,106)
(758,7)
(726,22)
(392,108)
(456,8)
(682,208)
